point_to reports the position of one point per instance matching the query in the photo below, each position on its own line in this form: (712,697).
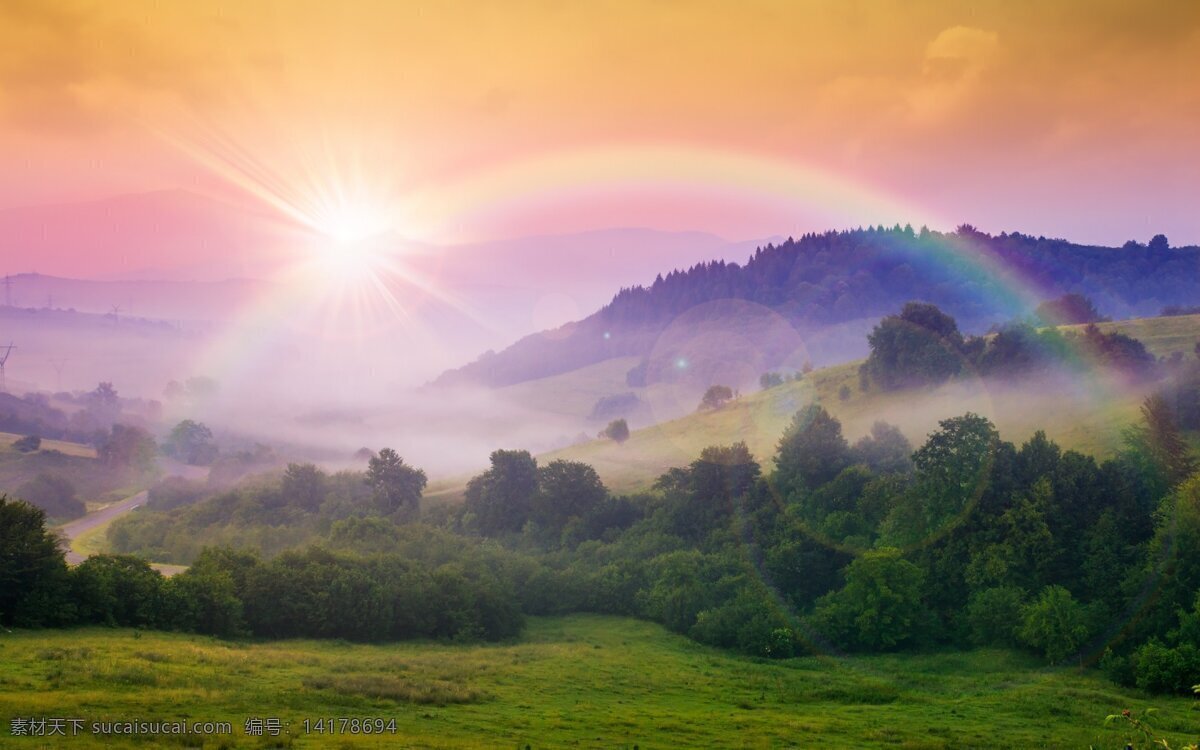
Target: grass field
(581,681)
(62,446)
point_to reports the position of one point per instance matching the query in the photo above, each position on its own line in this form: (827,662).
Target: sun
(353,224)
(351,240)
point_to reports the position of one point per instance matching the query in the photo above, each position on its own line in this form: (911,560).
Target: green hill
(1082,416)
(582,681)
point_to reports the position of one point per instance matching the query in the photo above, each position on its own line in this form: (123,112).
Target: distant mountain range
(814,298)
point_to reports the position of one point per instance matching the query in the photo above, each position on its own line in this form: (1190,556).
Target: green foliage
(920,346)
(33,574)
(994,615)
(566,491)
(500,499)
(885,450)
(616,431)
(192,443)
(397,486)
(54,494)
(880,606)
(118,590)
(1055,624)
(128,446)
(303,485)
(1068,309)
(811,452)
(1161,669)
(715,397)
(1161,439)
(770,380)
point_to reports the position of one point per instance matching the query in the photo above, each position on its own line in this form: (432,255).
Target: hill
(584,680)
(779,305)
(1084,416)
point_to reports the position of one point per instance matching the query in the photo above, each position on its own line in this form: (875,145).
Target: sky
(472,121)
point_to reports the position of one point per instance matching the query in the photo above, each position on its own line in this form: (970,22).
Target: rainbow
(545,182)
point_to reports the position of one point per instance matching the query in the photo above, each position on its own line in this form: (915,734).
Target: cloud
(69,70)
(953,71)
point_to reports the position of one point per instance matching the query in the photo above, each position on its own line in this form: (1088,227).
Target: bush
(880,606)
(994,615)
(53,494)
(27,444)
(616,431)
(1159,669)
(1055,624)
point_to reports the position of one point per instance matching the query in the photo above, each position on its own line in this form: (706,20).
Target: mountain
(162,300)
(796,301)
(176,234)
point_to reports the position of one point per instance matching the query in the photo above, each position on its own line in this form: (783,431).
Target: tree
(880,606)
(33,573)
(1162,439)
(128,446)
(994,615)
(203,601)
(501,497)
(1054,624)
(920,346)
(1159,243)
(811,452)
(953,465)
(566,490)
(715,397)
(616,431)
(702,497)
(118,590)
(54,494)
(192,443)
(397,485)
(770,380)
(1069,309)
(104,403)
(885,450)
(303,486)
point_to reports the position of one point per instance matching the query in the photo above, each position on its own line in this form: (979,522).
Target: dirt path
(73,529)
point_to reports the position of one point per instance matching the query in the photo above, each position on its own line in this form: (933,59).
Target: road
(92,520)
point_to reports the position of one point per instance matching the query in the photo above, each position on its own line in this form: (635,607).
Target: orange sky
(1077,119)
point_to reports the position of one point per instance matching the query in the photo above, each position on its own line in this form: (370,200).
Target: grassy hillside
(94,483)
(1085,416)
(1162,336)
(578,681)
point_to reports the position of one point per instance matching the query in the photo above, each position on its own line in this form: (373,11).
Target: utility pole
(5,351)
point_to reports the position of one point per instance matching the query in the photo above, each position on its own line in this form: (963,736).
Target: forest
(823,279)
(965,540)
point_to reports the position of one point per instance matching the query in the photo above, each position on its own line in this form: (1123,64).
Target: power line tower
(57,363)
(5,351)
(116,313)
(8,282)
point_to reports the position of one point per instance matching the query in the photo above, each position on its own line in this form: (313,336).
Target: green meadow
(579,681)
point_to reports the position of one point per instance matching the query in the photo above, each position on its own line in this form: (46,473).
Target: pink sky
(467,122)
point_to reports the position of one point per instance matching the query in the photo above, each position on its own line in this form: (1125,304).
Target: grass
(585,681)
(71,449)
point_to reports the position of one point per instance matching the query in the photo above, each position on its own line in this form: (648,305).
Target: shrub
(1055,624)
(27,444)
